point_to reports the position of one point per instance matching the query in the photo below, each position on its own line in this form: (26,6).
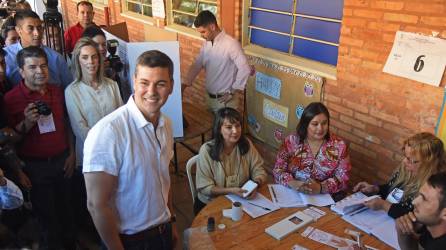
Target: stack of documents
(286,197)
(351,203)
(255,207)
(373,222)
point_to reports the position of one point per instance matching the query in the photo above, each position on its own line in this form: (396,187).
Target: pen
(359,211)
(274,194)
(265,208)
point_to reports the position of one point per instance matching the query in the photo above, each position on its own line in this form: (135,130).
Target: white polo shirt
(124,144)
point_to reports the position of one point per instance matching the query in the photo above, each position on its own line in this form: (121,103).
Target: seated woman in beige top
(228,161)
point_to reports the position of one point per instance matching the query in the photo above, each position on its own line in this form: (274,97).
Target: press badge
(395,196)
(232,181)
(46,124)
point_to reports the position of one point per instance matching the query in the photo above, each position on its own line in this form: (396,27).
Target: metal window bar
(291,34)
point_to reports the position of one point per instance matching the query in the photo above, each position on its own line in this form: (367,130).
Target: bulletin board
(276,97)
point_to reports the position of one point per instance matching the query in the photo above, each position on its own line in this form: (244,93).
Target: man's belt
(145,234)
(216,96)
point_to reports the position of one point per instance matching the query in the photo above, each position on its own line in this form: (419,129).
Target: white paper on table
(331,239)
(251,210)
(386,232)
(417,57)
(351,203)
(287,197)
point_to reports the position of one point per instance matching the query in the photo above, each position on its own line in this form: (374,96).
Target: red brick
(368,13)
(362,150)
(372,65)
(422,7)
(332,98)
(403,18)
(357,3)
(353,122)
(347,12)
(341,109)
(364,54)
(349,137)
(351,41)
(432,20)
(387,5)
(383,26)
(366,136)
(354,22)
(355,106)
(340,125)
(368,119)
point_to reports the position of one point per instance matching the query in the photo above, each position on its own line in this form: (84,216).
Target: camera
(42,108)
(115,61)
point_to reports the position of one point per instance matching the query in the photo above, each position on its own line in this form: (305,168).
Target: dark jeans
(162,241)
(50,197)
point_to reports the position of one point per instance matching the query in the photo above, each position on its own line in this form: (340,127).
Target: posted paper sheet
(417,57)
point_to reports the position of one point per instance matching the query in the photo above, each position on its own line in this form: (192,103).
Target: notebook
(373,222)
(351,203)
(286,197)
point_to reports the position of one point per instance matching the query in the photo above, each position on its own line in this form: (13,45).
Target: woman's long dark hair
(312,110)
(216,147)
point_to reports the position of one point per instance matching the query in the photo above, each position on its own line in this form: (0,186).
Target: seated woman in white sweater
(228,161)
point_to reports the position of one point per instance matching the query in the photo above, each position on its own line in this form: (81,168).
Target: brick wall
(373,110)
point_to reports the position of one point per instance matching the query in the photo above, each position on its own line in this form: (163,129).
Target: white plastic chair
(191,163)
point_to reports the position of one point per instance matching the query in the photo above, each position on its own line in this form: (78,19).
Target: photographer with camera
(36,111)
(112,64)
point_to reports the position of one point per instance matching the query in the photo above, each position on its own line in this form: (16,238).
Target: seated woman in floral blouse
(423,157)
(313,160)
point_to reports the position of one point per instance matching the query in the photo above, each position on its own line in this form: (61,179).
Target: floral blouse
(330,167)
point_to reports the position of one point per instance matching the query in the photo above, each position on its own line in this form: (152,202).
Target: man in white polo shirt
(126,164)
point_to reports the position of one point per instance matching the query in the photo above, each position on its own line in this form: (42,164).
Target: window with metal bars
(142,7)
(185,11)
(304,28)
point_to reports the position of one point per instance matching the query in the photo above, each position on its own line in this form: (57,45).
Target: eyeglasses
(411,161)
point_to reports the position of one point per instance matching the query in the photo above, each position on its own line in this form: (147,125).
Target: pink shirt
(225,64)
(331,166)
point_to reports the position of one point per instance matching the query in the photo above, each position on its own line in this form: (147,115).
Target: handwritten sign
(268,85)
(417,57)
(158,8)
(275,112)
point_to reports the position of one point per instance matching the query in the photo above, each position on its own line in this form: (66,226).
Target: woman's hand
(252,195)
(378,204)
(311,187)
(295,184)
(237,191)
(366,188)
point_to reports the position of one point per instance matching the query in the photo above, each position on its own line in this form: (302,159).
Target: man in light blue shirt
(29,27)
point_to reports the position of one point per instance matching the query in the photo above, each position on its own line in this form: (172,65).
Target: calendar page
(417,57)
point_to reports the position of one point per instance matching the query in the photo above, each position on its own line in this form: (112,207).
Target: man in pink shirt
(85,16)
(226,66)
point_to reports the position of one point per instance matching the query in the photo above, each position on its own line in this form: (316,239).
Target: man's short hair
(205,18)
(31,51)
(92,31)
(21,15)
(153,59)
(438,181)
(86,3)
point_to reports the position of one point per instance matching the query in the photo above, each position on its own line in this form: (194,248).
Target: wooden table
(199,122)
(250,233)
